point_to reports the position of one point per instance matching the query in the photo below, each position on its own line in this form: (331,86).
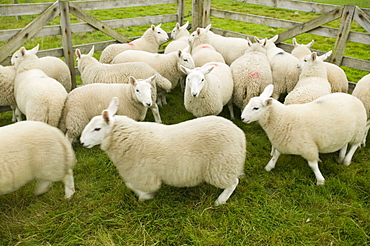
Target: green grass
(282,207)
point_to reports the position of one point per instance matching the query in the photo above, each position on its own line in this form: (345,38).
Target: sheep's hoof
(268,168)
(217,202)
(146,196)
(320,182)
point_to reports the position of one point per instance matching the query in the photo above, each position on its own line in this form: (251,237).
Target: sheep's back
(7,76)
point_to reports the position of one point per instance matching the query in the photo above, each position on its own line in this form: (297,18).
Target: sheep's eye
(185,60)
(97,129)
(16,56)
(255,108)
(137,90)
(202,80)
(305,60)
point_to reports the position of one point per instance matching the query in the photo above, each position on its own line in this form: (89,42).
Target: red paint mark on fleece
(205,47)
(254,75)
(214,64)
(130,44)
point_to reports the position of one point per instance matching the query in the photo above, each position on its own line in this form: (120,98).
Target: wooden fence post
(197,14)
(67,39)
(343,34)
(180,11)
(206,13)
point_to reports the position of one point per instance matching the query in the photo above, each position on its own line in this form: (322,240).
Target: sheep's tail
(163,83)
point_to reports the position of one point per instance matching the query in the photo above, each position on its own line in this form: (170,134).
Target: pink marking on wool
(214,64)
(130,44)
(205,47)
(255,75)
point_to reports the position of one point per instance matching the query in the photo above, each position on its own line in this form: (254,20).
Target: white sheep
(362,92)
(85,102)
(229,47)
(336,75)
(313,80)
(52,66)
(180,36)
(35,150)
(38,96)
(251,74)
(208,89)
(301,50)
(205,53)
(167,65)
(150,41)
(7,76)
(148,154)
(285,73)
(324,125)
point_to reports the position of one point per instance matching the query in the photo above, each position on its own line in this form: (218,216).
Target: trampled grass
(281,207)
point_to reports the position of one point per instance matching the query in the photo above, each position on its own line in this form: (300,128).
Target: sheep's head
(179,30)
(185,59)
(160,34)
(312,58)
(196,78)
(99,126)
(257,105)
(143,89)
(199,36)
(18,56)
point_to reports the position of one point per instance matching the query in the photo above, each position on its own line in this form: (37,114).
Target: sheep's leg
(42,186)
(348,158)
(143,196)
(155,111)
(225,195)
(18,114)
(14,118)
(315,168)
(275,156)
(182,83)
(342,153)
(69,186)
(231,109)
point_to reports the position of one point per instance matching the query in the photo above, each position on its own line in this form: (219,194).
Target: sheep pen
(283,207)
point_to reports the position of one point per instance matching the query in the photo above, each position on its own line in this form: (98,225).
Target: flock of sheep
(317,116)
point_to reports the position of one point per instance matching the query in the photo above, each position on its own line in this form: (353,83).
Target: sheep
(182,155)
(205,53)
(336,75)
(7,76)
(150,41)
(325,125)
(180,35)
(38,96)
(167,65)
(229,47)
(208,89)
(93,71)
(301,50)
(35,150)
(362,92)
(313,80)
(285,73)
(251,74)
(85,102)
(52,66)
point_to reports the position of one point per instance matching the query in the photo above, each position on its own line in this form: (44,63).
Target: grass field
(282,207)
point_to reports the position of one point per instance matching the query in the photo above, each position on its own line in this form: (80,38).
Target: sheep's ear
(267,102)
(310,43)
(274,38)
(186,49)
(159,25)
(325,56)
(256,39)
(267,92)
(185,70)
(131,80)
(264,42)
(198,30)
(178,26)
(23,51)
(78,53)
(294,41)
(113,106)
(208,27)
(185,26)
(153,27)
(207,70)
(313,56)
(35,49)
(249,42)
(179,52)
(152,79)
(91,52)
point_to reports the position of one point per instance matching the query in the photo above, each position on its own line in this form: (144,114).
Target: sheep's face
(195,82)
(143,92)
(161,35)
(95,131)
(185,59)
(255,109)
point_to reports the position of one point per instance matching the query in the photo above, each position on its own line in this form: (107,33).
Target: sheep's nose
(195,94)
(148,104)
